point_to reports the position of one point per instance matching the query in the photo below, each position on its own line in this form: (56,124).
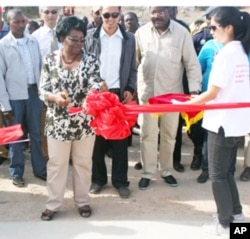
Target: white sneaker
(215,217)
(216,228)
(237,218)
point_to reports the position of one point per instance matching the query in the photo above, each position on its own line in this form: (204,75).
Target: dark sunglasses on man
(46,12)
(107,15)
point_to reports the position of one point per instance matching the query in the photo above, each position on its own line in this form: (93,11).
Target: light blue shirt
(13,74)
(206,58)
(26,59)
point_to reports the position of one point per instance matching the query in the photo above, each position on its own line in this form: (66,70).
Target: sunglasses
(107,15)
(212,27)
(76,40)
(46,12)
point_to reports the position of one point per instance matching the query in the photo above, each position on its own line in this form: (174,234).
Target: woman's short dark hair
(66,24)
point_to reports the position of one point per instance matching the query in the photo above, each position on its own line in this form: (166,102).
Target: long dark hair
(239,20)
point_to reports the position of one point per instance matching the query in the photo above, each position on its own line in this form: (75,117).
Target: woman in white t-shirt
(228,83)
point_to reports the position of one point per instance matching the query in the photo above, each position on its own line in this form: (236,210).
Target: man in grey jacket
(20,64)
(115,50)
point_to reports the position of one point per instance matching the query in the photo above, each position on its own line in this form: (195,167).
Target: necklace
(72,60)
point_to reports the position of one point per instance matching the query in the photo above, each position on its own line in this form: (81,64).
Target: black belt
(115,90)
(31,85)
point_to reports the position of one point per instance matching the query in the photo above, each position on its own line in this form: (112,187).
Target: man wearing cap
(96,18)
(203,35)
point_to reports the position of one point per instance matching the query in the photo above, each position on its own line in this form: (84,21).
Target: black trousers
(196,134)
(119,169)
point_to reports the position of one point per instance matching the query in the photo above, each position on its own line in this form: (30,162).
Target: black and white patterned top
(77,83)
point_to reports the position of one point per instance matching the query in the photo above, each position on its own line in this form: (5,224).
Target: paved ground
(161,210)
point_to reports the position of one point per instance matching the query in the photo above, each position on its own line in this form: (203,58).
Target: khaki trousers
(247,151)
(151,126)
(80,151)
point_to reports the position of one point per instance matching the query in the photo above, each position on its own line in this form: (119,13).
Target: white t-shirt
(230,72)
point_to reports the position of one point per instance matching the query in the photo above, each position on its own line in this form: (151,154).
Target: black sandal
(47,215)
(85,211)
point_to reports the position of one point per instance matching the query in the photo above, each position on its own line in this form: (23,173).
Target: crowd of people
(48,66)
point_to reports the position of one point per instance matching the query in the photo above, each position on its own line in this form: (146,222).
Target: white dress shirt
(111,49)
(43,36)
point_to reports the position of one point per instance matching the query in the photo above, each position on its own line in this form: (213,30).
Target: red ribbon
(10,134)
(163,108)
(113,120)
(110,118)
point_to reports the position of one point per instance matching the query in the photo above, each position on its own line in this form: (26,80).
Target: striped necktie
(53,41)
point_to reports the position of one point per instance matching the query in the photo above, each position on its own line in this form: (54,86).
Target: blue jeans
(27,112)
(221,155)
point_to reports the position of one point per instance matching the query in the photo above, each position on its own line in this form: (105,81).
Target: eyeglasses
(212,27)
(107,15)
(76,40)
(47,12)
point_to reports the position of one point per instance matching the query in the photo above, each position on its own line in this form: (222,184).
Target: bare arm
(210,94)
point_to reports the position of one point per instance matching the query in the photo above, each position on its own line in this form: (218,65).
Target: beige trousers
(80,151)
(247,151)
(151,126)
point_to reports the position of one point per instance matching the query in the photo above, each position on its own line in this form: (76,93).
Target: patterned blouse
(77,83)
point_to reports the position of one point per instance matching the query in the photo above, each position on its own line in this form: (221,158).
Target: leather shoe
(179,167)
(144,183)
(245,175)
(138,166)
(196,163)
(124,192)
(18,182)
(203,177)
(170,180)
(43,177)
(95,188)
(2,159)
